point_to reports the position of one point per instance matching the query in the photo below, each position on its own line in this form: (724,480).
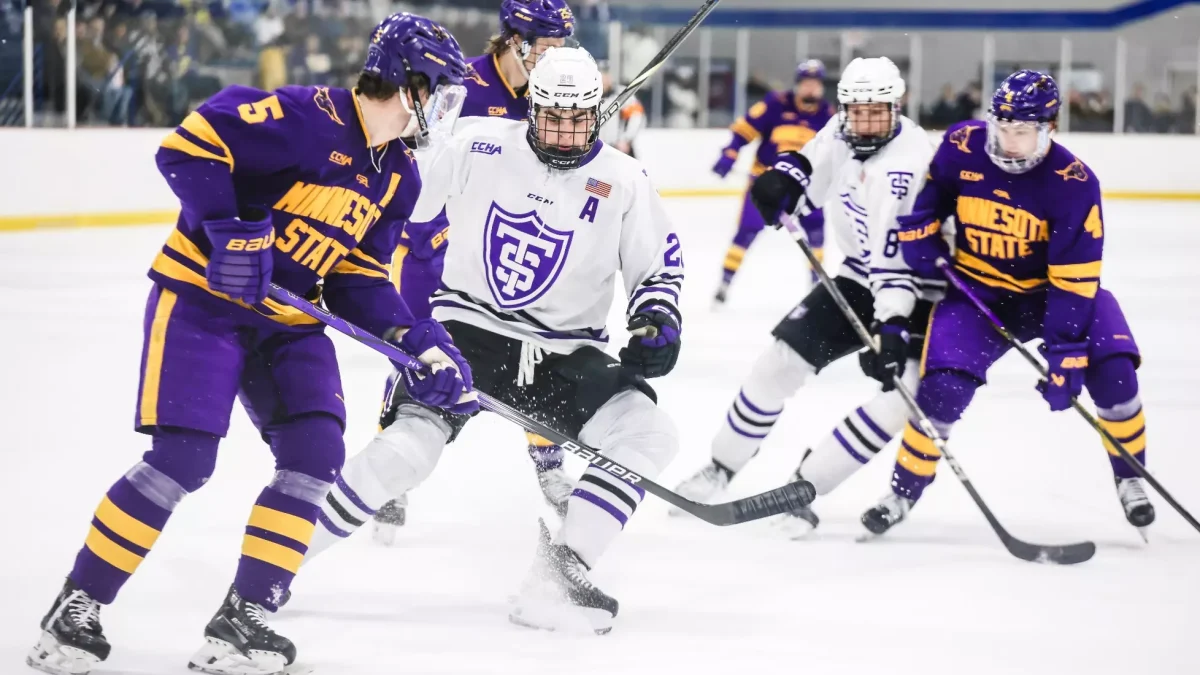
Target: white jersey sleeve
(651,253)
(826,152)
(892,182)
(444,169)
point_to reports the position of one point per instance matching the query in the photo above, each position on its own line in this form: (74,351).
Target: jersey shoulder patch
(961,137)
(1076,170)
(325,103)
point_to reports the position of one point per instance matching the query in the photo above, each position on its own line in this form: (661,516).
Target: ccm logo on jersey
(537,198)
(607,465)
(485,148)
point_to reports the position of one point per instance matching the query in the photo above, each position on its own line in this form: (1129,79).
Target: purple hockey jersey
(1040,231)
(338,205)
(781,123)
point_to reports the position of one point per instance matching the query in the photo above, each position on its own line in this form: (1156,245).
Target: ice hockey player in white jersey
(867,167)
(545,216)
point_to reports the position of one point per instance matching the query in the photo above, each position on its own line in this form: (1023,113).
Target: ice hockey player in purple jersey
(308,188)
(496,85)
(784,121)
(1029,242)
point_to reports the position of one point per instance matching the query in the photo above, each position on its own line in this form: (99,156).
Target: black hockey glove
(778,191)
(888,362)
(654,344)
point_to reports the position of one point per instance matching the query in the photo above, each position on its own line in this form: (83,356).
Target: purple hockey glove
(778,191)
(653,347)
(241,262)
(922,244)
(725,164)
(1067,363)
(446,383)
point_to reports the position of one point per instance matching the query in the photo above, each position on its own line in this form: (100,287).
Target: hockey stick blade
(771,503)
(656,62)
(1061,555)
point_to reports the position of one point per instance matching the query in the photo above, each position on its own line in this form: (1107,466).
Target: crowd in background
(1090,111)
(149,62)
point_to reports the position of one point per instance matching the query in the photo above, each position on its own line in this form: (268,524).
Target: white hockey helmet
(867,81)
(565,89)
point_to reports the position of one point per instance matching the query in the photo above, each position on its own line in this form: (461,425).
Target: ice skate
(557,595)
(720,296)
(388,520)
(556,488)
(708,485)
(890,510)
(72,640)
(1138,509)
(238,641)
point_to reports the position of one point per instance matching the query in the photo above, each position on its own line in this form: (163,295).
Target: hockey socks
(597,512)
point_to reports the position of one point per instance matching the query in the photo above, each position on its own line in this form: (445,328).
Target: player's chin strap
(1062,555)
(531,356)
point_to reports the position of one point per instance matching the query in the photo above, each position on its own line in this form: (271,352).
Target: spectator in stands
(945,112)
(1187,113)
(1164,114)
(968,102)
(310,64)
(1139,119)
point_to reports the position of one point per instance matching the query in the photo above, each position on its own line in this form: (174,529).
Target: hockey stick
(655,63)
(1137,467)
(773,502)
(1069,554)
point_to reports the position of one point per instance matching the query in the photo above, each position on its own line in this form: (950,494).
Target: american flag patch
(598,187)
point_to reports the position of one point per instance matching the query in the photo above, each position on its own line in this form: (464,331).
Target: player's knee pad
(185,457)
(396,396)
(631,430)
(777,374)
(1112,381)
(310,444)
(945,394)
(402,455)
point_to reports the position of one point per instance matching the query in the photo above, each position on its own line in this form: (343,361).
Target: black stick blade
(764,505)
(1070,554)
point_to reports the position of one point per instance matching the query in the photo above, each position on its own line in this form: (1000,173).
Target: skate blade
(221,658)
(1144,532)
(791,527)
(565,618)
(867,537)
(385,534)
(49,656)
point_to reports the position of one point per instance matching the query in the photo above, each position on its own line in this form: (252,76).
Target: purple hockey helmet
(1020,120)
(404,44)
(811,69)
(532,19)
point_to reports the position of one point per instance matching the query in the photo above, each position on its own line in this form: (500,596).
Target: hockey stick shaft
(1086,414)
(1033,552)
(655,63)
(773,502)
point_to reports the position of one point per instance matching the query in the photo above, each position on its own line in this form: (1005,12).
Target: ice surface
(938,595)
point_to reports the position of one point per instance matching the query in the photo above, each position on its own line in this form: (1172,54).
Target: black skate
(388,520)
(1138,509)
(801,522)
(72,640)
(238,641)
(556,489)
(558,593)
(721,295)
(883,516)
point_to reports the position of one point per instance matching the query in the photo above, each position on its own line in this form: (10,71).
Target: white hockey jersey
(862,199)
(533,252)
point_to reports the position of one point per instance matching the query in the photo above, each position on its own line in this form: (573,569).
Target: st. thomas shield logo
(522,256)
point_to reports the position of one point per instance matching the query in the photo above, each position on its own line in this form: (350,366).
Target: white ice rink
(937,595)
